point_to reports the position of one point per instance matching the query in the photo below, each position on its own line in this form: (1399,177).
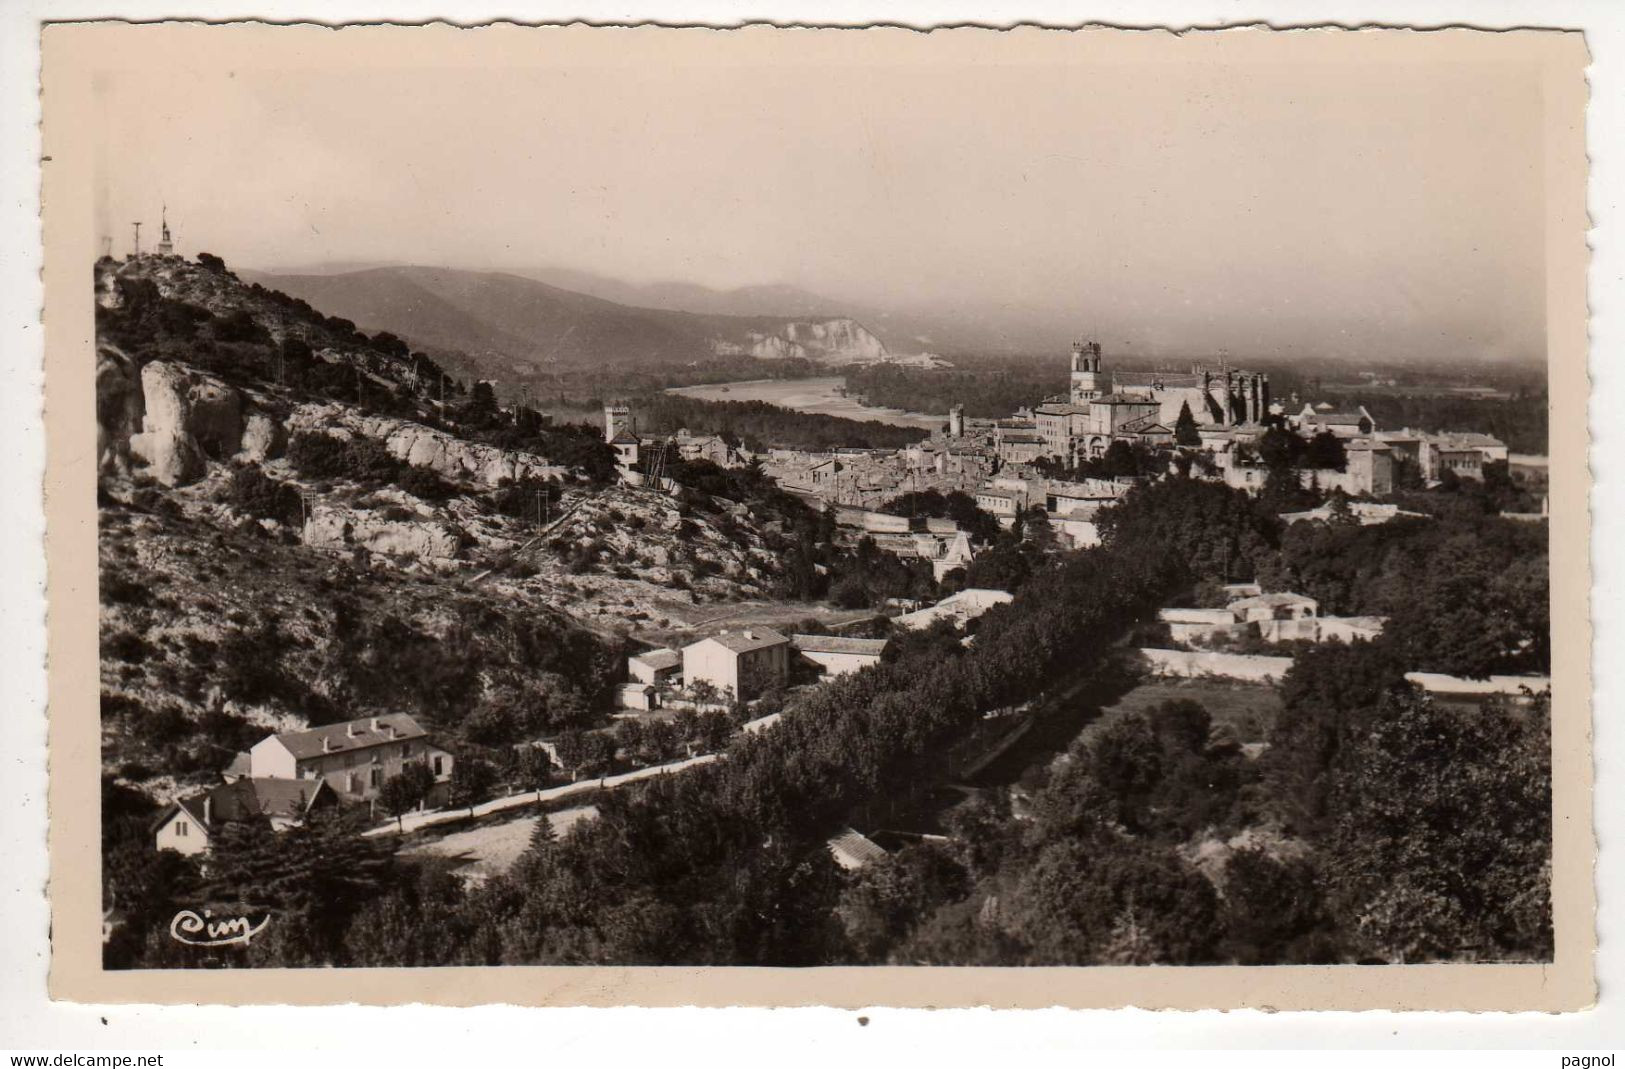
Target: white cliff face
(426,447)
(774,347)
(830,341)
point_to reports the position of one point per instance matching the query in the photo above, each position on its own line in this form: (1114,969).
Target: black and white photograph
(682,498)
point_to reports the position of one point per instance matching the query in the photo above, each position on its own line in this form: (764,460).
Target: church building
(1143,406)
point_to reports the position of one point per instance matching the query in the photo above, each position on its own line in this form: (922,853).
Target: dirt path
(415,821)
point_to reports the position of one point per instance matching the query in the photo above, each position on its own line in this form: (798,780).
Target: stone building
(618,433)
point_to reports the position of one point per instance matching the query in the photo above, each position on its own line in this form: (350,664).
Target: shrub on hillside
(240,326)
(324,456)
(122,590)
(126,646)
(424,484)
(256,493)
(368,460)
(316,456)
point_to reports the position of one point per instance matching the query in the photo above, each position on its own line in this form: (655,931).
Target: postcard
(571,515)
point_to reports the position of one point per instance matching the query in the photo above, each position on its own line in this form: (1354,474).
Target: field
(492,847)
(1248,708)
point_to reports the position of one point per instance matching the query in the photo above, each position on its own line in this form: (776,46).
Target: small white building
(1279,617)
(1197,625)
(639,696)
(956,552)
(742,663)
(1346,423)
(1078,531)
(835,655)
(1001,504)
(655,666)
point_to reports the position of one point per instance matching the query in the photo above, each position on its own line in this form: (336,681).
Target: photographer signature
(225,931)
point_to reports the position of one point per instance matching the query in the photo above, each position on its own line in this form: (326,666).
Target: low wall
(872,522)
(1439,683)
(1193,664)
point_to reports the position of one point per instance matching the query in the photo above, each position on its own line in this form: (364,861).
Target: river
(820,395)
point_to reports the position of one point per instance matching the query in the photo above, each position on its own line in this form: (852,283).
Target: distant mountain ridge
(508,321)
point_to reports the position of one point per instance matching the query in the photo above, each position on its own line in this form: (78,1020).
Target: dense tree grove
(1431,841)
(988,393)
(1520,422)
(1464,594)
(1465,591)
(761,426)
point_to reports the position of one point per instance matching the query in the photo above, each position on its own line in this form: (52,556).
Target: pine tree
(1185,433)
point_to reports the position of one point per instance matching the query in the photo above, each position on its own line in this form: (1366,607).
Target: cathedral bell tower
(1087,381)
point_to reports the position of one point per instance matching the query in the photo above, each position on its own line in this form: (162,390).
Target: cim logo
(207,931)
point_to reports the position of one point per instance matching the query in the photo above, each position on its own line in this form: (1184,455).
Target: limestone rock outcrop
(262,439)
(425,447)
(118,409)
(339,528)
(170,453)
(187,417)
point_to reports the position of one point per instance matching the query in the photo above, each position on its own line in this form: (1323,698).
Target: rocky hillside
(508,323)
(297,528)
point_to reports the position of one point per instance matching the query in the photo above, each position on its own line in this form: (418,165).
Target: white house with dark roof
(354,758)
(188,825)
(743,663)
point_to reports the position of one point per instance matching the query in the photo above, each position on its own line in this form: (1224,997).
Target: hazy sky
(1392,208)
